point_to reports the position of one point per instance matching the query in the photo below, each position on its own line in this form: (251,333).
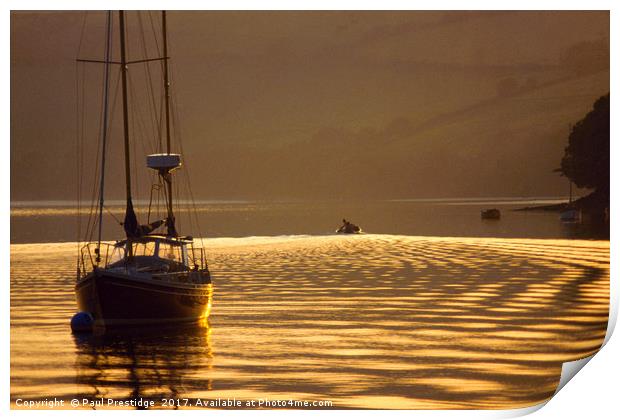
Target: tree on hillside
(586,158)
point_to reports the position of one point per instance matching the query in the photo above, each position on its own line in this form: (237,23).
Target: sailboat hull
(116,299)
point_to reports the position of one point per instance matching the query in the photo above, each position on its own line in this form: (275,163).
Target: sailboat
(146,277)
(570,214)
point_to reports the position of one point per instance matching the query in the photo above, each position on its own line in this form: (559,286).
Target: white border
(314,5)
(593,394)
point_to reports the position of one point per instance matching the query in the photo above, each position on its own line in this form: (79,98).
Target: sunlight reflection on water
(370,321)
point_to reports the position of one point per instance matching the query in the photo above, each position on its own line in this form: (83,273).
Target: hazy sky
(321,104)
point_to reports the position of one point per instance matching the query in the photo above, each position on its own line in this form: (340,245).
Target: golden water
(369,321)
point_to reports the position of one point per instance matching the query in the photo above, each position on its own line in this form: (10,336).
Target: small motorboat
(492,214)
(348,228)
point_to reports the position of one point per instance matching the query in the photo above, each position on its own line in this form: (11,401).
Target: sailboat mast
(167,177)
(121,18)
(130,223)
(166,81)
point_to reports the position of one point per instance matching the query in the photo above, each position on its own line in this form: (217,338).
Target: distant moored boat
(490,214)
(570,215)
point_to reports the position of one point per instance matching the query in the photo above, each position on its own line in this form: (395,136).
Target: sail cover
(132,229)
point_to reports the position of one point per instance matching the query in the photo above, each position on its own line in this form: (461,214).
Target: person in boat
(348,227)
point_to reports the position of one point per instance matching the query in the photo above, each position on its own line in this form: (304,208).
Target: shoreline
(549,207)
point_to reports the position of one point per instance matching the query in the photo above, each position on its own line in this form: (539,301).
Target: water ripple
(372,321)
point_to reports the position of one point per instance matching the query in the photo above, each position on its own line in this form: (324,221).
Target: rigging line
(161,100)
(154,187)
(78,159)
(91,220)
(165,187)
(178,136)
(148,213)
(139,130)
(192,202)
(112,214)
(116,91)
(136,116)
(193,206)
(115,99)
(158,205)
(178,224)
(104,134)
(186,224)
(147,69)
(83,135)
(82,33)
(134,167)
(79,136)
(154,33)
(91,217)
(82,130)
(193,226)
(187,203)
(137,133)
(137,112)
(88,234)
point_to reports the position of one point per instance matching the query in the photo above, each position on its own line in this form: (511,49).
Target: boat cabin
(153,251)
(149,253)
(157,246)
